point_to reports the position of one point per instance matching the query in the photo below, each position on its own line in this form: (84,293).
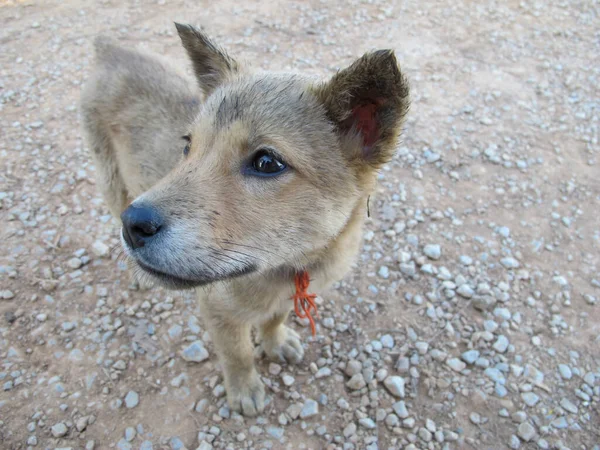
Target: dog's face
(272,168)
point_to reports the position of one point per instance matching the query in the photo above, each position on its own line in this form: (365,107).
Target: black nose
(140,224)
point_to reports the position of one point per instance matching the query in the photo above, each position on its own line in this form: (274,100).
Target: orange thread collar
(304,303)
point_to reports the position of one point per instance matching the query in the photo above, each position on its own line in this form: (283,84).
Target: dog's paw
(247,395)
(283,346)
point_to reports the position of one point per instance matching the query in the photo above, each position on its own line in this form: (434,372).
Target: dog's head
(272,169)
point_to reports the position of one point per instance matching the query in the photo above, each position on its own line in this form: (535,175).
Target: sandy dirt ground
(471,317)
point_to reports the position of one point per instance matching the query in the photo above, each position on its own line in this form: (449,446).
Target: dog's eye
(188,140)
(266,163)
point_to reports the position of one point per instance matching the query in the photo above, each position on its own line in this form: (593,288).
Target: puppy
(240,182)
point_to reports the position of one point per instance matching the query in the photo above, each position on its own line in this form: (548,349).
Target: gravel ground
(468,321)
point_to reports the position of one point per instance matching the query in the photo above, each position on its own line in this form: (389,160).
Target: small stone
(543,444)
(132,399)
(74,263)
(68,326)
(392,421)
(176,443)
(433,251)
(99,248)
(409,422)
(565,371)
(500,390)
(219,391)
(568,405)
(590,379)
(6,294)
(175,331)
(387,341)
(409,269)
(502,313)
(274,369)
(495,375)
(356,382)
(384,272)
(276,432)
(526,431)
(82,423)
(422,347)
(367,423)
(456,364)
(328,322)
(465,291)
(403,364)
(349,430)
(287,379)
(501,345)
(475,418)
(343,403)
(195,352)
(530,398)
(519,416)
(560,423)
(203,446)
(395,385)
(514,443)
(510,263)
(353,367)
(309,409)
(400,409)
(294,410)
(224,412)
(465,260)
(201,405)
(59,430)
(130,434)
(323,372)
(470,356)
(120,365)
(41,317)
(425,434)
(76,355)
(255,430)
(179,380)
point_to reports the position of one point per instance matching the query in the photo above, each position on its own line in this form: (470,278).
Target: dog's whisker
(264,276)
(243,254)
(251,246)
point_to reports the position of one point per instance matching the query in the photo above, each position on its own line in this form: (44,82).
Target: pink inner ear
(366,123)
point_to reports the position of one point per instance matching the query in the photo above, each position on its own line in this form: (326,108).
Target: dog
(235,181)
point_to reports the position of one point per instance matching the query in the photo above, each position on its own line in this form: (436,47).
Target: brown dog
(239,181)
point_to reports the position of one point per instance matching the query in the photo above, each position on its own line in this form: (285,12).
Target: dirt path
(478,283)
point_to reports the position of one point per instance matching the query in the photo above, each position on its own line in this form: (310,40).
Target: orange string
(304,303)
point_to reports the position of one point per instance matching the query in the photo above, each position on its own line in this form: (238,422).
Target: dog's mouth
(171,281)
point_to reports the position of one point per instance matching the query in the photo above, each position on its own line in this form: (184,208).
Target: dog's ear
(212,65)
(367,102)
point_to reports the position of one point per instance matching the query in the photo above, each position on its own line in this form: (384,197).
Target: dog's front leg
(279,342)
(245,390)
